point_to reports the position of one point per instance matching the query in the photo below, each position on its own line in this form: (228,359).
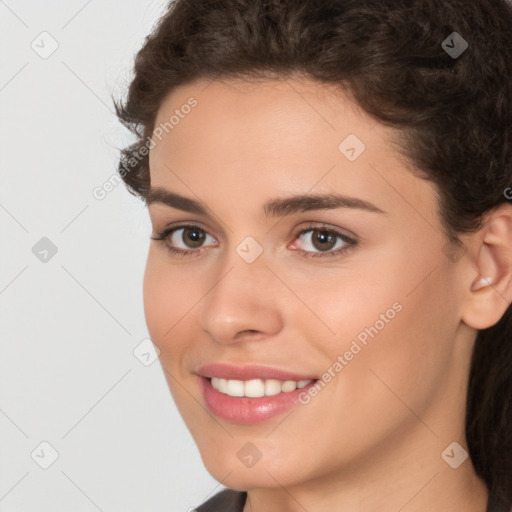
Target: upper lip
(228,371)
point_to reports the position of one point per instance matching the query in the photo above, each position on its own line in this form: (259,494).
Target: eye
(320,241)
(316,241)
(184,239)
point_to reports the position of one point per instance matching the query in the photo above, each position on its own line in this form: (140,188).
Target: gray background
(70,321)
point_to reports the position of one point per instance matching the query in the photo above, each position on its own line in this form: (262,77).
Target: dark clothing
(234,501)
(224,501)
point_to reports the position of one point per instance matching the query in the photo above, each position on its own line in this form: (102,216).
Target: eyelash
(163,237)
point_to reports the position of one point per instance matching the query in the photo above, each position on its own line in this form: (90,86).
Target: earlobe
(490,290)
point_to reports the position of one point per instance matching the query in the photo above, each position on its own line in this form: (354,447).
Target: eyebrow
(274,208)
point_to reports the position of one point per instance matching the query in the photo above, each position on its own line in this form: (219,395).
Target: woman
(330,270)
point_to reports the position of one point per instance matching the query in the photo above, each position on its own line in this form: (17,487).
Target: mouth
(251,394)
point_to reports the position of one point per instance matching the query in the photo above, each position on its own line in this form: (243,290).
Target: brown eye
(323,240)
(193,237)
(185,239)
(319,241)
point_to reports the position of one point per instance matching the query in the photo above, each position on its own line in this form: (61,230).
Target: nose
(244,302)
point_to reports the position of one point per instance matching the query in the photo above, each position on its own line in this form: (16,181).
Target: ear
(489,290)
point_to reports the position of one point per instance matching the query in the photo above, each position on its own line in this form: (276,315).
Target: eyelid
(351,241)
(326,227)
(164,234)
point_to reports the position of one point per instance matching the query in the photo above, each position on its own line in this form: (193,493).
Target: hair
(453,116)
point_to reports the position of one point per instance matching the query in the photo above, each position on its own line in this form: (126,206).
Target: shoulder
(224,501)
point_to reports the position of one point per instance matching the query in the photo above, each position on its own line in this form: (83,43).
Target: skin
(372,438)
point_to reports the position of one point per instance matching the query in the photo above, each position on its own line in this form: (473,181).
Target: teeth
(253,388)
(289,385)
(272,387)
(256,388)
(235,388)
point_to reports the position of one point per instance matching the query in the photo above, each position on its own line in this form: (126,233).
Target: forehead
(262,106)
(236,120)
(271,136)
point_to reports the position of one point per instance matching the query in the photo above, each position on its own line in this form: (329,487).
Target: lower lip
(247,410)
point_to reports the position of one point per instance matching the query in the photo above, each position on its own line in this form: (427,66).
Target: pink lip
(226,371)
(247,410)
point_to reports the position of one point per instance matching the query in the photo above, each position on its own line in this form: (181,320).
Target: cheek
(167,308)
(394,329)
(404,361)
(154,306)
(166,299)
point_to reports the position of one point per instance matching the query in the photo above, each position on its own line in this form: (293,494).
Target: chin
(240,478)
(234,468)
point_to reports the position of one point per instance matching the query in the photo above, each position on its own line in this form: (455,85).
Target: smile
(256,388)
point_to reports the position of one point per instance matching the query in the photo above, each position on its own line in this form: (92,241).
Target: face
(348,287)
